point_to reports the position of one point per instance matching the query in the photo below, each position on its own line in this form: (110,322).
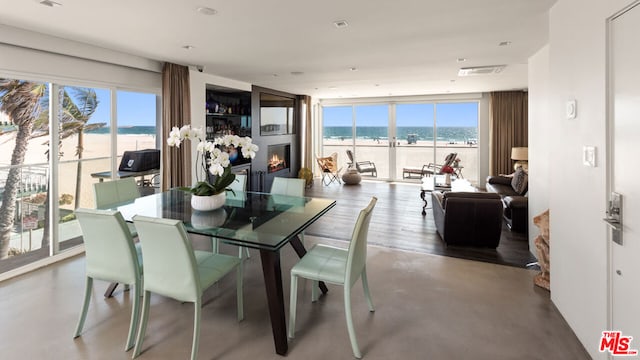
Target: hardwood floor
(397,222)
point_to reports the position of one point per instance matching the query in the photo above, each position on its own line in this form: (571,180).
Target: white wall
(540,128)
(577,196)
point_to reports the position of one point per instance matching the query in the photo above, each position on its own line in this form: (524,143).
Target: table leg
(300,250)
(275,298)
(112,287)
(422,196)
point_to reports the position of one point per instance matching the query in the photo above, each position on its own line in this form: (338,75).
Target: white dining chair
(288,187)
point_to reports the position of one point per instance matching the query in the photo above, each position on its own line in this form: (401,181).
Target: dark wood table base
(275,294)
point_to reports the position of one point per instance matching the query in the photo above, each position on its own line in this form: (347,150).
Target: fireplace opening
(278,157)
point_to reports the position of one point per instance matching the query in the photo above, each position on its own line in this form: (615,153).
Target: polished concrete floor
(427,307)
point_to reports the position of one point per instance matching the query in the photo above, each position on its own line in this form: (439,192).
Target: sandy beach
(95,159)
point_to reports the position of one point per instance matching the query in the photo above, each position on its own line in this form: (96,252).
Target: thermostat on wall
(572,108)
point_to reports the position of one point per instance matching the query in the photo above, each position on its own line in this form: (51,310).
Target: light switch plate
(589,156)
(572,109)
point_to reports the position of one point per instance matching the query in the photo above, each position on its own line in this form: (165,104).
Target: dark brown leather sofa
(468,218)
(516,204)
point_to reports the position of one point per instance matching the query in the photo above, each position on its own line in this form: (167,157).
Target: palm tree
(79,112)
(20,100)
(73,120)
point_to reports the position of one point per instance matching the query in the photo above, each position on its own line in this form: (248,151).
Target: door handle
(613,223)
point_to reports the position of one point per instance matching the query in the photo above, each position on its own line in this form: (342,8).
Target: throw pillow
(520,181)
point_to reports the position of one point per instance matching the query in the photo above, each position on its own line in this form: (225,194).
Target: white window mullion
(54,136)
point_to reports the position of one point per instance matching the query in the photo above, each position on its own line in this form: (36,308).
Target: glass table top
(256,220)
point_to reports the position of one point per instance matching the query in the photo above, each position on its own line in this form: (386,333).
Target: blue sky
(448,114)
(134,109)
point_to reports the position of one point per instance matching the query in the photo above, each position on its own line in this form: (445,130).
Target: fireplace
(278,157)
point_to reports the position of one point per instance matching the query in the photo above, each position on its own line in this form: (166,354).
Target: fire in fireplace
(278,157)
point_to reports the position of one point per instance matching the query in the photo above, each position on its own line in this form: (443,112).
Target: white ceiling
(400,47)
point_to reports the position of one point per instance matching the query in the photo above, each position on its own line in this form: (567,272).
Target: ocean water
(126,130)
(457,134)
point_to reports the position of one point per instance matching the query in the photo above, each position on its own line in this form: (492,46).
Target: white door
(624,172)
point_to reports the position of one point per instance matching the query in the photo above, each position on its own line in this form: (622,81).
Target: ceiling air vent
(481,70)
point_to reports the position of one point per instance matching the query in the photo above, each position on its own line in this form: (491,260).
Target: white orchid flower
(216,169)
(201,147)
(223,159)
(196,133)
(249,150)
(185,131)
(209,146)
(175,132)
(173,141)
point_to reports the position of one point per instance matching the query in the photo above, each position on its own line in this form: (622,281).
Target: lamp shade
(520,153)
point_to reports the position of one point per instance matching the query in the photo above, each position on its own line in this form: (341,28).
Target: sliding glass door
(52,154)
(374,137)
(396,136)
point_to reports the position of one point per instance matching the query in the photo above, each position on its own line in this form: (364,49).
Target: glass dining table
(255,220)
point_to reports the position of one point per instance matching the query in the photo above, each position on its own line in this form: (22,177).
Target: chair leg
(243,253)
(350,328)
(239,290)
(197,314)
(135,315)
(365,286)
(292,306)
(315,286)
(85,306)
(214,245)
(144,318)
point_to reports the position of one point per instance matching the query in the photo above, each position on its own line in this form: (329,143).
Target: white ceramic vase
(208,203)
(208,219)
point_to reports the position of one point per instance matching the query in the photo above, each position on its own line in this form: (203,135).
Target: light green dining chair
(287,186)
(111,255)
(238,185)
(336,266)
(173,269)
(109,194)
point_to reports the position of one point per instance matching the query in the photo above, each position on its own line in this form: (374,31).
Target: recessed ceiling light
(461,59)
(296,73)
(353,68)
(340,24)
(188,47)
(376,85)
(206,10)
(505,43)
(274,75)
(50,3)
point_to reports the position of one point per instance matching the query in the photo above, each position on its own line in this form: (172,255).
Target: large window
(399,135)
(80,155)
